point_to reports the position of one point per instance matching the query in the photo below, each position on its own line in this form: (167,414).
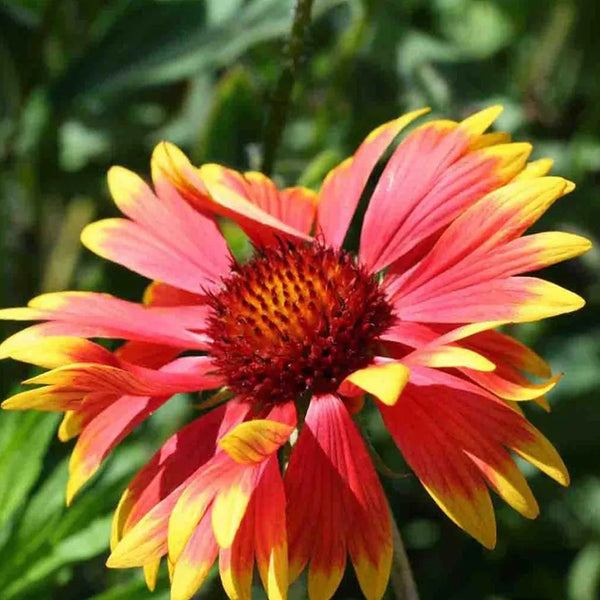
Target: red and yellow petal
(441,356)
(70,426)
(270,531)
(141,251)
(221,191)
(481,244)
(443,469)
(142,523)
(47,398)
(91,314)
(186,374)
(466,436)
(437,177)
(336,505)
(55,351)
(231,502)
(179,458)
(236,563)
(500,347)
(514,300)
(145,541)
(103,433)
(232,200)
(146,243)
(492,460)
(220,477)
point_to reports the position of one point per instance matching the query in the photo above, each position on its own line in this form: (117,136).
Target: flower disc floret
(295,318)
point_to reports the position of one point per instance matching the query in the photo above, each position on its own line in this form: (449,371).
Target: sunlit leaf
(24,439)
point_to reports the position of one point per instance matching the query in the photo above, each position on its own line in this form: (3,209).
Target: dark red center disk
(295,318)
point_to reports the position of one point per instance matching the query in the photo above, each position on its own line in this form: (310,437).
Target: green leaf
(43,510)
(234,121)
(159,42)
(24,439)
(88,542)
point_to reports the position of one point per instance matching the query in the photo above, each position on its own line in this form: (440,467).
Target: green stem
(403,582)
(280,100)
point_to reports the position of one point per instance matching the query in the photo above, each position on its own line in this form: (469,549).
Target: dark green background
(85,84)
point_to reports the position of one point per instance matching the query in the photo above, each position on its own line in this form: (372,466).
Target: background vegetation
(85,84)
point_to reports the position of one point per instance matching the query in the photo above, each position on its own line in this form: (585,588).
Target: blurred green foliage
(85,84)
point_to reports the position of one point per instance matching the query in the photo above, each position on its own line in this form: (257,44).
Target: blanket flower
(275,473)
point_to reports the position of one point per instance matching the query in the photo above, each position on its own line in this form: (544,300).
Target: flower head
(295,318)
(295,339)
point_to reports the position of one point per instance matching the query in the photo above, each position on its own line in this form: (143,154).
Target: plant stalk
(280,100)
(403,582)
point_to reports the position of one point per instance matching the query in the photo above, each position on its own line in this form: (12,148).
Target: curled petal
(385,381)
(216,190)
(296,207)
(254,441)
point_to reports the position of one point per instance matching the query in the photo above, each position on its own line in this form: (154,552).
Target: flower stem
(403,582)
(281,95)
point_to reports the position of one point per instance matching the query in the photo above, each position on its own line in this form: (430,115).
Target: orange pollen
(295,318)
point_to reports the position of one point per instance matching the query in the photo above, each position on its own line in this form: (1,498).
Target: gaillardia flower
(275,471)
